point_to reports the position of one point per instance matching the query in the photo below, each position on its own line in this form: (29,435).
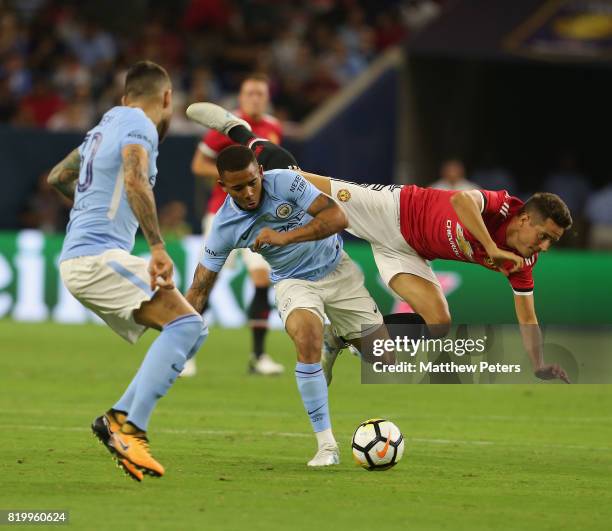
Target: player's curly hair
(234,158)
(551,206)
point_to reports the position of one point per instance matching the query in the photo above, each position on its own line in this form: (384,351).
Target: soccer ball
(377,444)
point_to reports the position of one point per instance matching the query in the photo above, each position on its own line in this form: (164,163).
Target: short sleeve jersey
(432,228)
(286,198)
(101,218)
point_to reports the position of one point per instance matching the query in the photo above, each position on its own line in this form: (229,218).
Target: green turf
(235,446)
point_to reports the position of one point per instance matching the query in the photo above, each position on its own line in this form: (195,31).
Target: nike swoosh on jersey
(246,234)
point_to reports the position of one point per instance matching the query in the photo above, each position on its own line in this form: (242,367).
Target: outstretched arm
(467,206)
(204,167)
(64,176)
(142,202)
(328,219)
(203,282)
(532,339)
(322,183)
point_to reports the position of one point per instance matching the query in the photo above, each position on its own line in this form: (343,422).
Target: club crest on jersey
(284,211)
(464,245)
(343,195)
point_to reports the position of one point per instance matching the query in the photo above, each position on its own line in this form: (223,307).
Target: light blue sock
(313,389)
(161,366)
(203,335)
(125,402)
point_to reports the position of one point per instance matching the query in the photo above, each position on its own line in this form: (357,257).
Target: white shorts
(113,285)
(252,261)
(340,295)
(373,212)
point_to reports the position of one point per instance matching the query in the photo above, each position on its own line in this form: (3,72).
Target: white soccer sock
(325,437)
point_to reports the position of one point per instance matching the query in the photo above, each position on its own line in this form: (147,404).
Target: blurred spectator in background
(70,75)
(418,13)
(598,212)
(569,184)
(78,115)
(95,48)
(452,177)
(39,105)
(492,176)
(173,220)
(8,103)
(46,210)
(309,51)
(574,188)
(17,75)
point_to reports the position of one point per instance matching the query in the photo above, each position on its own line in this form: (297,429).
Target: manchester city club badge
(284,211)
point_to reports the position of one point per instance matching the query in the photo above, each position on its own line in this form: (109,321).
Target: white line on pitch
(309,435)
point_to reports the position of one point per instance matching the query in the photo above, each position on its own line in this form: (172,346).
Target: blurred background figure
(45,209)
(452,177)
(569,183)
(491,175)
(253,103)
(598,212)
(173,220)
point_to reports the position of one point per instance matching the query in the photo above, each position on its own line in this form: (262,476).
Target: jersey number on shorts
(93,143)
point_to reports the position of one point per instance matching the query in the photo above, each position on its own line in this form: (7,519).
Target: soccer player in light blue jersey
(110,177)
(282,216)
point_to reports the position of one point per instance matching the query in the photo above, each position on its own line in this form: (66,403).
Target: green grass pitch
(235,446)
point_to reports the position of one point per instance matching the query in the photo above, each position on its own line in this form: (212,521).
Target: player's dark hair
(234,158)
(145,78)
(256,76)
(551,206)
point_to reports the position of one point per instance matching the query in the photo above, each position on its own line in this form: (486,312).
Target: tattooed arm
(139,192)
(203,282)
(65,175)
(328,219)
(142,202)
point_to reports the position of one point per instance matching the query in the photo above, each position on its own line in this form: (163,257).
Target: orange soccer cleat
(134,447)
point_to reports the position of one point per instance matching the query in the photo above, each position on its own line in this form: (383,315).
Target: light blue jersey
(286,197)
(101,218)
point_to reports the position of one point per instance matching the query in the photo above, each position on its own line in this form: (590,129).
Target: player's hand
(269,237)
(501,257)
(161,268)
(551,372)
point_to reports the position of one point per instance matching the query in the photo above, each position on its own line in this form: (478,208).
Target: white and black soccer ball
(377,444)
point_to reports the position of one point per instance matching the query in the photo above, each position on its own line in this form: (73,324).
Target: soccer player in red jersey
(253,100)
(408,225)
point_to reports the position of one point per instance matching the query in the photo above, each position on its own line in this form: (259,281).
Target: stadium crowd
(62,63)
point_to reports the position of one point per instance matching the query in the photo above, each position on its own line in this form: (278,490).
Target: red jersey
(214,142)
(432,228)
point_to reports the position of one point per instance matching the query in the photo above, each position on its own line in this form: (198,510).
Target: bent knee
(308,345)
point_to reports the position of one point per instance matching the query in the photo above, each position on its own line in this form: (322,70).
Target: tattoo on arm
(203,282)
(65,175)
(139,193)
(320,225)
